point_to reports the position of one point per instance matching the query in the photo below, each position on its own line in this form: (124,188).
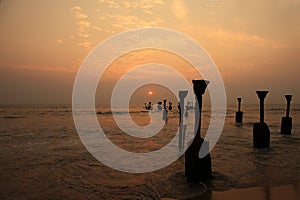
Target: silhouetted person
(159,106)
(149,106)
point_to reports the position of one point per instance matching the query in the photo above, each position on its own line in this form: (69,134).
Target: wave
(119,112)
(276,109)
(12,117)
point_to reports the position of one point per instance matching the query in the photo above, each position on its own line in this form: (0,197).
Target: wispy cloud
(59,41)
(83,26)
(179,9)
(85,44)
(130,14)
(78,12)
(230,38)
(133,21)
(110,3)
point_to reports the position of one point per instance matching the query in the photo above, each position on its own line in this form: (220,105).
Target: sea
(42,155)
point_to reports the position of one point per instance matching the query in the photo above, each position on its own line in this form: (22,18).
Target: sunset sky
(254,43)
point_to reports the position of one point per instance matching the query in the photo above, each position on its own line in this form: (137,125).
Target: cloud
(37,67)
(179,9)
(133,21)
(130,14)
(97,28)
(78,12)
(83,26)
(111,4)
(231,38)
(116,16)
(85,44)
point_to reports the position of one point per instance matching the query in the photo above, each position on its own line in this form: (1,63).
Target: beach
(43,157)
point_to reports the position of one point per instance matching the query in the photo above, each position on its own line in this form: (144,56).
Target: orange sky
(255,44)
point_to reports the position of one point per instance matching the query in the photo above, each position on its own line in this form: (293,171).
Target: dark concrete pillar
(261,132)
(286,122)
(198,169)
(182,95)
(239,113)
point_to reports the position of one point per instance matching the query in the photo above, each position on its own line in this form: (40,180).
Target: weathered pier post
(182,95)
(198,169)
(286,122)
(239,113)
(261,132)
(165,111)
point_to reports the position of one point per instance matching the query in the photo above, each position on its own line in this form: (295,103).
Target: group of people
(149,106)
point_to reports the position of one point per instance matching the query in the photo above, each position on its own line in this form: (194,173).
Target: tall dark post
(262,95)
(165,104)
(261,132)
(182,95)
(198,168)
(239,114)
(286,122)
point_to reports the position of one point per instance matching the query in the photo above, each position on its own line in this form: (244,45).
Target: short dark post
(198,169)
(239,114)
(182,95)
(261,132)
(286,122)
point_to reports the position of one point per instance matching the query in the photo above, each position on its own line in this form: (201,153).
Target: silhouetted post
(186,114)
(182,95)
(183,135)
(239,114)
(286,122)
(170,105)
(198,168)
(150,106)
(197,116)
(261,132)
(165,111)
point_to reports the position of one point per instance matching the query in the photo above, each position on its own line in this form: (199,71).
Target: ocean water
(42,155)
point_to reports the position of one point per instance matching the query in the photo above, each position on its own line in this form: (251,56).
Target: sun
(150,92)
